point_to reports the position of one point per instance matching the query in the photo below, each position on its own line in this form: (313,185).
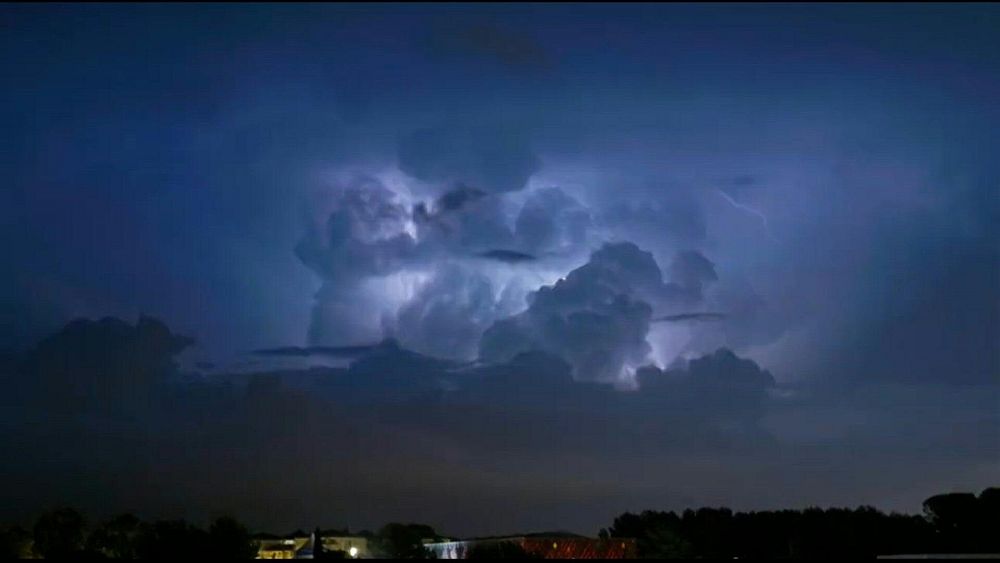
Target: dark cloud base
(99,416)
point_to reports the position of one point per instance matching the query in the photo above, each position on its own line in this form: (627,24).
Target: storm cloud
(507,230)
(340,429)
(598,316)
(494,159)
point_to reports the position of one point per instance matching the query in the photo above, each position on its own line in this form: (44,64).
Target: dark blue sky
(823,176)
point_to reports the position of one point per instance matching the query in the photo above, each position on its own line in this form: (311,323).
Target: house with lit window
(279,548)
(301,545)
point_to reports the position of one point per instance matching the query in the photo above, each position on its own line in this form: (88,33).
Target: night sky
(497,268)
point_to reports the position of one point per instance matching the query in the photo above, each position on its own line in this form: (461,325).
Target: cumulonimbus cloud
(598,316)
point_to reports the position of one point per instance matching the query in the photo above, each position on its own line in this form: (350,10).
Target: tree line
(951,523)
(63,534)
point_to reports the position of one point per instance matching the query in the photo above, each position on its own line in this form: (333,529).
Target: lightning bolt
(746,208)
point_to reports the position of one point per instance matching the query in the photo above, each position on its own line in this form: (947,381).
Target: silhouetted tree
(990,500)
(953,516)
(171,540)
(59,534)
(813,533)
(229,539)
(116,538)
(709,531)
(657,534)
(15,543)
(989,519)
(405,541)
(965,523)
(317,543)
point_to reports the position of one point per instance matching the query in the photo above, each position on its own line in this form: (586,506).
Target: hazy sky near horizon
(482,181)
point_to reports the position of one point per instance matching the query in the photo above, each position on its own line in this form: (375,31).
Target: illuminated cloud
(519,188)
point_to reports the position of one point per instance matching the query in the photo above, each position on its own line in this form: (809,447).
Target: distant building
(280,548)
(546,545)
(355,547)
(300,545)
